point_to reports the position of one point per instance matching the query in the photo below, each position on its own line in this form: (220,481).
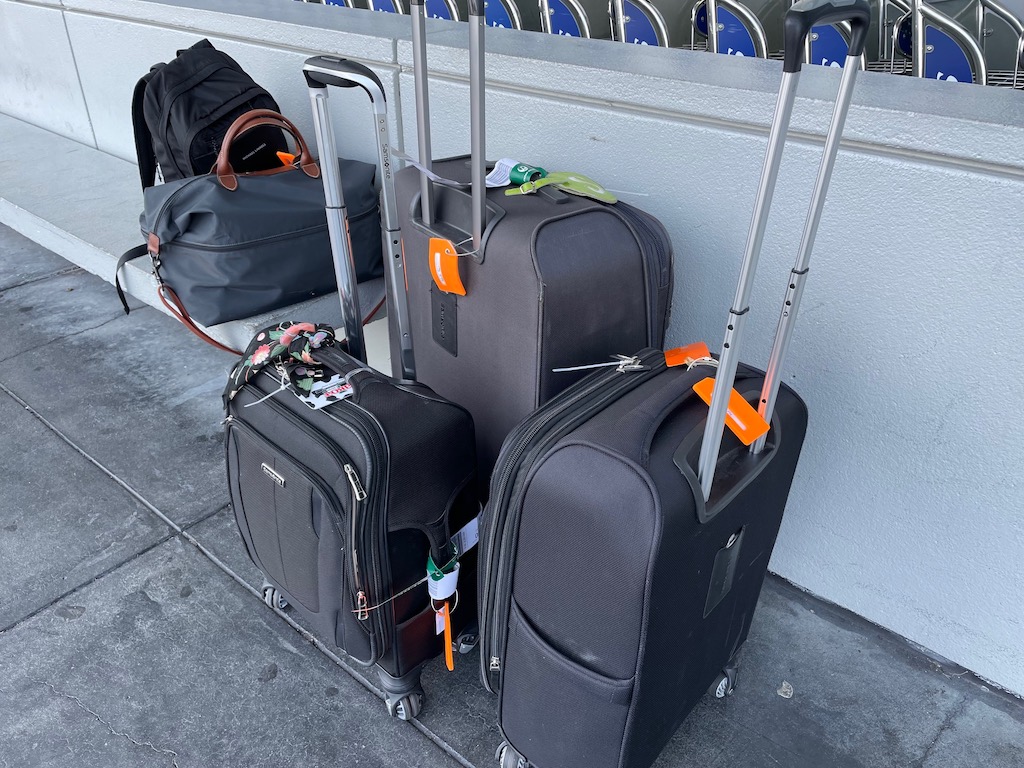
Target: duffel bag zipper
(257,241)
(502,535)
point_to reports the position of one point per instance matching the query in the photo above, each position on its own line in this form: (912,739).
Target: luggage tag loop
(621,363)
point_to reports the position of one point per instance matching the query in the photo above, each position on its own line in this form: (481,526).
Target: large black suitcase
(341,506)
(625,541)
(553,280)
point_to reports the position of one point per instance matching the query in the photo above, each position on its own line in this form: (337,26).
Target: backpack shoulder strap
(143,140)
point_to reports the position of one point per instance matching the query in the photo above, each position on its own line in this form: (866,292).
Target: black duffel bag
(226,246)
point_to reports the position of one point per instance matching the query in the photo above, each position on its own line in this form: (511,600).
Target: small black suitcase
(625,541)
(552,280)
(340,506)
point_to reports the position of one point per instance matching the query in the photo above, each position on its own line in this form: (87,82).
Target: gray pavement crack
(84,584)
(951,718)
(78,702)
(63,337)
(39,278)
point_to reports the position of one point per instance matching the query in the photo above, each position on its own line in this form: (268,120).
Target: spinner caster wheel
(273,598)
(405,707)
(509,758)
(467,641)
(725,683)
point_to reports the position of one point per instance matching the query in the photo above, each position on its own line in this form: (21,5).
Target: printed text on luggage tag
(324,393)
(745,422)
(444,266)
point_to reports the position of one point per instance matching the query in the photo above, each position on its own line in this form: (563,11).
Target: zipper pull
(353,480)
(631,363)
(362,606)
(227,420)
(621,363)
(495,665)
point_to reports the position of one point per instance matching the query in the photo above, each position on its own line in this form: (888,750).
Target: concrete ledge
(83,204)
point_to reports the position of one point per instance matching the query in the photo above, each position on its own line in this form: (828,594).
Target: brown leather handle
(226,174)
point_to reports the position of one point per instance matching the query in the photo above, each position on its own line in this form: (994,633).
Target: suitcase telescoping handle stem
(321,72)
(799,20)
(477,132)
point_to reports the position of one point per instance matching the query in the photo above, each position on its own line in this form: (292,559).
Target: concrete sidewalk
(132,632)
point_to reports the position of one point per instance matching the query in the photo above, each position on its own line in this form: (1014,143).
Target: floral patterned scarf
(288,347)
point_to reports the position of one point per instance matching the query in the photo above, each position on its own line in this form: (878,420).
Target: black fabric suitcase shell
(620,607)
(412,453)
(563,281)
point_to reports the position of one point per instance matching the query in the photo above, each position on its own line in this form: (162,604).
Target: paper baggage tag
(741,417)
(686,355)
(324,393)
(444,266)
(467,537)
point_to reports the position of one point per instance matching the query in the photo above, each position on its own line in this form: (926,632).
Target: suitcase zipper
(364,538)
(652,241)
(531,437)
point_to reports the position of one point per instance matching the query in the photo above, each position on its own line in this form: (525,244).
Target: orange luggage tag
(686,355)
(741,417)
(441,585)
(286,158)
(444,266)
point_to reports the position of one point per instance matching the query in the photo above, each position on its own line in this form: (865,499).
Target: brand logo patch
(273,475)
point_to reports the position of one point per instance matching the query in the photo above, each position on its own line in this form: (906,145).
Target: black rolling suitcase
(552,280)
(625,542)
(341,505)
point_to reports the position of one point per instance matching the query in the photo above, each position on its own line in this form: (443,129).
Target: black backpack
(182,109)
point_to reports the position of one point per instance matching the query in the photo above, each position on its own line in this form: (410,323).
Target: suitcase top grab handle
(799,20)
(478,161)
(804,15)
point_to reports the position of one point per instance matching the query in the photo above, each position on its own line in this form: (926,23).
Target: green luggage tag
(573,183)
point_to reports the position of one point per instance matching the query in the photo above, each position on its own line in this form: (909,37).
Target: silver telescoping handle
(320,72)
(799,20)
(337,228)
(477,130)
(418,11)
(478,148)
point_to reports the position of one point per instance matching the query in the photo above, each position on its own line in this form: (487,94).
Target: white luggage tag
(323,393)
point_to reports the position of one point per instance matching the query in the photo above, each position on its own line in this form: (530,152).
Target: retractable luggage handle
(799,20)
(478,161)
(320,72)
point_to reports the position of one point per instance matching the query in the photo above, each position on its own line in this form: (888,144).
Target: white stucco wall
(907,503)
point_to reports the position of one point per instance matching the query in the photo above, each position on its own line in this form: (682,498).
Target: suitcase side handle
(740,309)
(805,14)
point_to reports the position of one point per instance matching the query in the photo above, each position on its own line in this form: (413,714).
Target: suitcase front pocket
(556,712)
(283,507)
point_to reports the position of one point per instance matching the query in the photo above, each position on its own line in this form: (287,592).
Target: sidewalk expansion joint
(62,337)
(131,491)
(78,702)
(184,534)
(38,279)
(74,590)
(309,637)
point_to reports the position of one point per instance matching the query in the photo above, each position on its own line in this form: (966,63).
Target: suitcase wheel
(468,640)
(725,683)
(405,707)
(509,758)
(273,597)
